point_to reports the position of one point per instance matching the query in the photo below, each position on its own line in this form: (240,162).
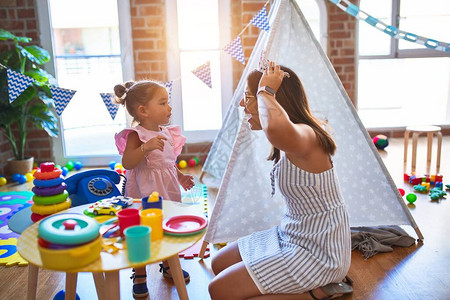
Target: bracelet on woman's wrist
(266,89)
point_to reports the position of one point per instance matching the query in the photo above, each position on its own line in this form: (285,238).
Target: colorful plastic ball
(182,164)
(22,179)
(381,141)
(411,198)
(77,165)
(402,192)
(197,160)
(192,162)
(3,181)
(64,170)
(69,165)
(29,177)
(118,170)
(118,166)
(16,177)
(112,165)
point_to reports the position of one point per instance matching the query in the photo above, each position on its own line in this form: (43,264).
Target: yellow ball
(182,164)
(118,166)
(29,177)
(3,181)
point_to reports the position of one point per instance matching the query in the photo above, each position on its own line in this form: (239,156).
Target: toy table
(105,270)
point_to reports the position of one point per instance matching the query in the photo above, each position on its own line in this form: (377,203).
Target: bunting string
(393,31)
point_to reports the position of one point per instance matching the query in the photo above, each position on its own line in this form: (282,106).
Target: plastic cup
(153,217)
(138,243)
(128,217)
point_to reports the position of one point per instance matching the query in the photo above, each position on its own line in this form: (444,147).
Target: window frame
(126,46)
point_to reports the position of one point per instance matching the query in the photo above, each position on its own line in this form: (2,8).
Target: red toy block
(47,167)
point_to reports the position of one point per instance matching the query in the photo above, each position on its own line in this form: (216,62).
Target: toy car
(119,200)
(106,209)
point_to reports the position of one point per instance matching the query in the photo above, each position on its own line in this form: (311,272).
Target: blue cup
(156,204)
(138,243)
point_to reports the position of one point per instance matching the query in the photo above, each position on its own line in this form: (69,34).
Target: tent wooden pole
(201,254)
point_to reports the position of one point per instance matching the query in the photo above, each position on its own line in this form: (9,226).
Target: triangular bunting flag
(260,20)
(17,83)
(235,49)
(110,106)
(61,97)
(204,73)
(168,86)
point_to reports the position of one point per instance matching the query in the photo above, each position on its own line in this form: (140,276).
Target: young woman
(310,250)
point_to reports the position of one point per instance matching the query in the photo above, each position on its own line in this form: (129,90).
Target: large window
(197,30)
(402,83)
(86,48)
(315,12)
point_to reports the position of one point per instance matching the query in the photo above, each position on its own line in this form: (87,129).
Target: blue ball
(78,165)
(16,177)
(22,179)
(112,165)
(65,170)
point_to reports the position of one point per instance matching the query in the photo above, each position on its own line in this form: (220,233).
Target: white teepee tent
(237,159)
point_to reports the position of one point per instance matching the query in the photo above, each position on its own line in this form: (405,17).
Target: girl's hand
(156,143)
(272,77)
(186,181)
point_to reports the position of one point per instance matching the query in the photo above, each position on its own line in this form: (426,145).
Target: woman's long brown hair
(291,96)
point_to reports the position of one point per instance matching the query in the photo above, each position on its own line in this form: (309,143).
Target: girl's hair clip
(286,74)
(123,96)
(264,64)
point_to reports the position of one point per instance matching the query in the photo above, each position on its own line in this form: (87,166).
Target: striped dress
(312,246)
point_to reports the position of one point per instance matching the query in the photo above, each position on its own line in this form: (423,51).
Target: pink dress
(157,172)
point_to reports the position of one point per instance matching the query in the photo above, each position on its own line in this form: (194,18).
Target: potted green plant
(32,108)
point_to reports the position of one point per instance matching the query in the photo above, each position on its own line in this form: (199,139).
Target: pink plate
(184,224)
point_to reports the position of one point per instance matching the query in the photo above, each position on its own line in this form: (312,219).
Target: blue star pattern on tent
(203,72)
(168,86)
(260,20)
(235,50)
(61,97)
(17,83)
(110,106)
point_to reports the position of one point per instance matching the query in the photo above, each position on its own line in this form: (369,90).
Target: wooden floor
(418,272)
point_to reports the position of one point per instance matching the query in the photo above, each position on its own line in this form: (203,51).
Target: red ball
(118,170)
(192,162)
(402,192)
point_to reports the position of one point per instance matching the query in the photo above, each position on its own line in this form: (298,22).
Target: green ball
(70,165)
(411,198)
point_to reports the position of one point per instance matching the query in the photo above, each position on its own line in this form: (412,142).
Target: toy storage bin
(71,258)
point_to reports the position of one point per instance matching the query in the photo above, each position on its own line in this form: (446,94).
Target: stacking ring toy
(50,209)
(47,175)
(49,191)
(49,182)
(36,217)
(54,230)
(55,199)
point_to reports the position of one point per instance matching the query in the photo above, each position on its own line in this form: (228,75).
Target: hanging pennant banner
(110,105)
(204,73)
(168,86)
(61,97)
(17,83)
(260,20)
(235,50)
(393,31)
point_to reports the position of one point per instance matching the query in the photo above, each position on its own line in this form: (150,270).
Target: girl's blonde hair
(131,94)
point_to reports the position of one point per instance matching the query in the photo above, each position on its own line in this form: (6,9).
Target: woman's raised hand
(156,143)
(272,76)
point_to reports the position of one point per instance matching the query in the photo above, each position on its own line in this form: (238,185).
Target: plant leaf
(35,54)
(43,118)
(6,35)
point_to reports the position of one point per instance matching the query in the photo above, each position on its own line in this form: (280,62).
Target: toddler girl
(149,151)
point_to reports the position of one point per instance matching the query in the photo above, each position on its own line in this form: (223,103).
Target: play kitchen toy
(68,241)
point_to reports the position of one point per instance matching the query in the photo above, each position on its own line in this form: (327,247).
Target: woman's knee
(215,289)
